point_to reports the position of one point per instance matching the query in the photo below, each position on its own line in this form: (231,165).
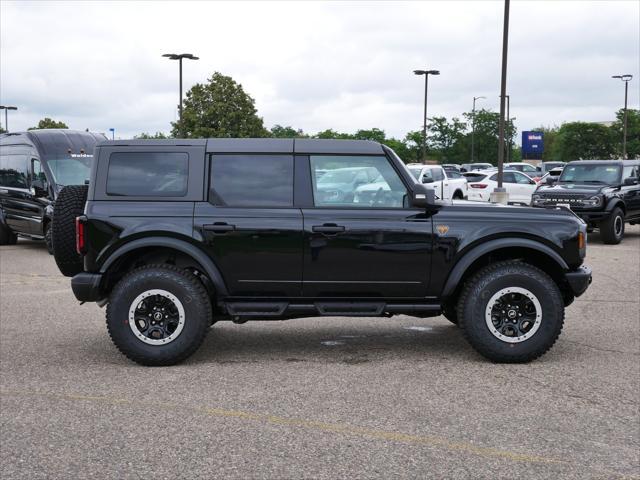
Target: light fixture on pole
(6,117)
(179,57)
(626,79)
(426,74)
(473,127)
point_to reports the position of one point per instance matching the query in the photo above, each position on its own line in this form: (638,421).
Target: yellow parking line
(342,429)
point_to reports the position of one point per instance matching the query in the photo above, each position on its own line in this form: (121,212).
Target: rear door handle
(219,227)
(328,228)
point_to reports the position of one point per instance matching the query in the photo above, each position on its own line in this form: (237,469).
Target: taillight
(80,236)
(478,185)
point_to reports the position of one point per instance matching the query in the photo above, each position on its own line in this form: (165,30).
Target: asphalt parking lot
(317,398)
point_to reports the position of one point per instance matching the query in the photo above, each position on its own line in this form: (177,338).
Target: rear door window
(148,174)
(252,180)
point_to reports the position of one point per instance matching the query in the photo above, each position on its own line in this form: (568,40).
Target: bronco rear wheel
(158,315)
(68,206)
(511,312)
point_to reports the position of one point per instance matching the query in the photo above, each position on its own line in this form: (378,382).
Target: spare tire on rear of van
(68,206)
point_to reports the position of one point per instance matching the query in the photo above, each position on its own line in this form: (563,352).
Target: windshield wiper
(593,181)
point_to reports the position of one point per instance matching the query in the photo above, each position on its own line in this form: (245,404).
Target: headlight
(594,201)
(537,199)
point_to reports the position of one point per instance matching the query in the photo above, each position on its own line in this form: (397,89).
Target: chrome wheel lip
(617,226)
(500,294)
(132,322)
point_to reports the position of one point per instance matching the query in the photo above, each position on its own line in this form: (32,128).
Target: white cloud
(315,65)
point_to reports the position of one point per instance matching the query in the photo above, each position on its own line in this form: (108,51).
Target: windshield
(70,171)
(584,173)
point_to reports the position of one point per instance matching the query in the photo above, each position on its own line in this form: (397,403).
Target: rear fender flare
(168,242)
(474,254)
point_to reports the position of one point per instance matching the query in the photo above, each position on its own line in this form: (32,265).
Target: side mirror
(39,189)
(422,196)
(550,180)
(630,181)
(427,180)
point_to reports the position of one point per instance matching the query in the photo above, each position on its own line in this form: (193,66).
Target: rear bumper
(86,286)
(579,280)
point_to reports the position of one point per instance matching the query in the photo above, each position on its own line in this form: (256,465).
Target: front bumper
(579,280)
(86,286)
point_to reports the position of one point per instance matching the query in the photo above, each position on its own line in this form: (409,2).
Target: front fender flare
(475,253)
(181,245)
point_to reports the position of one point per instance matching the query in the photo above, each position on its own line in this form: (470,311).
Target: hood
(577,188)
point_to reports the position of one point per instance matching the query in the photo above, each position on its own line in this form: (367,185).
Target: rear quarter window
(148,174)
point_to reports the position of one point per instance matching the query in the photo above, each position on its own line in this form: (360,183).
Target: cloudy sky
(316,65)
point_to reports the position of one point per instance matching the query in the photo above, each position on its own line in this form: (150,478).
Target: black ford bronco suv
(174,235)
(34,166)
(604,193)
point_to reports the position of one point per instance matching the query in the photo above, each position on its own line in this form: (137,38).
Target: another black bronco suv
(174,235)
(34,166)
(604,193)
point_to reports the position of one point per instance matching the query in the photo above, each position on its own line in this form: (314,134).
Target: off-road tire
(479,289)
(7,237)
(48,241)
(608,227)
(69,205)
(180,283)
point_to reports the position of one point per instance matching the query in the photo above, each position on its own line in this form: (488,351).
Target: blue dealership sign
(532,144)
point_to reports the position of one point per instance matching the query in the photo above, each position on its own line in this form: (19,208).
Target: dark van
(34,166)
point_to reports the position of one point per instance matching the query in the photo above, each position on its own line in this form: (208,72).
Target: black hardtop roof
(262,145)
(54,142)
(605,162)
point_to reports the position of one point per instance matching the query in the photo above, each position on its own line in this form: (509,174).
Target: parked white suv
(447,185)
(519,186)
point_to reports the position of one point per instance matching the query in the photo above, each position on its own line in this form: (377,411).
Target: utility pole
(6,116)
(499,194)
(626,79)
(426,74)
(473,127)
(179,57)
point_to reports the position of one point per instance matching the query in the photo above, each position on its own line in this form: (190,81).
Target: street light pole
(179,57)
(626,79)
(473,127)
(426,74)
(6,116)
(501,192)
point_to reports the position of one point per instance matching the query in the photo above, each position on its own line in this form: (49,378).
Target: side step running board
(244,309)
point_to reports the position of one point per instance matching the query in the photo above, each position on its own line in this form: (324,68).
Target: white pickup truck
(447,185)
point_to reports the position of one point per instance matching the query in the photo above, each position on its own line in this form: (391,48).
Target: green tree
(487,127)
(586,141)
(550,135)
(219,108)
(157,135)
(332,134)
(2,130)
(633,132)
(48,123)
(278,131)
(447,139)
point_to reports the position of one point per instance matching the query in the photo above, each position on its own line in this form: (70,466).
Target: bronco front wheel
(511,312)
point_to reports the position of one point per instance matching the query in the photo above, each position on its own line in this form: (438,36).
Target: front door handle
(328,229)
(219,227)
